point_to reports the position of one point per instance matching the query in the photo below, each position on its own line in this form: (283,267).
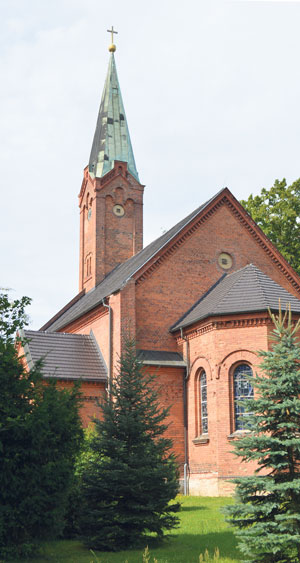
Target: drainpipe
(185,416)
(109,347)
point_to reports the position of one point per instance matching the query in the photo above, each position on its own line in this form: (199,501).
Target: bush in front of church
(267,511)
(40,432)
(128,484)
(74,508)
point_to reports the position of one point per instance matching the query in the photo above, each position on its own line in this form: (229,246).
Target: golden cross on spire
(112,47)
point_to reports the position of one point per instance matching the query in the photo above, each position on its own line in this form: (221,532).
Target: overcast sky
(211,92)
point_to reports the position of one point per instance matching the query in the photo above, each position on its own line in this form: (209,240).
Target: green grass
(202,527)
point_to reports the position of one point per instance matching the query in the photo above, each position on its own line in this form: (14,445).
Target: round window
(118,210)
(225,260)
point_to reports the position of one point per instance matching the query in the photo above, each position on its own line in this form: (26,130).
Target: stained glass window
(243,391)
(203,403)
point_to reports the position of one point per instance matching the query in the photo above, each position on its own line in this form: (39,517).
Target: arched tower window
(243,391)
(203,404)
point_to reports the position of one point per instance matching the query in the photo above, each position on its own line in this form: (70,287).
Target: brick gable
(189,267)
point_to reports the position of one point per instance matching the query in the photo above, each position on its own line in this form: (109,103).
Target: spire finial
(112,47)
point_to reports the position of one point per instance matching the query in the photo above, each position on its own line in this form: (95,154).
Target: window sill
(203,439)
(238,434)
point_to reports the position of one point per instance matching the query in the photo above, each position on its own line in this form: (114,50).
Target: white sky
(211,92)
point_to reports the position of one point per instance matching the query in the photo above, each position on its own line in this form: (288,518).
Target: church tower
(111,196)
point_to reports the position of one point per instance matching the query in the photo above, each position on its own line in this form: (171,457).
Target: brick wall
(91,393)
(217,349)
(169,382)
(106,238)
(190,270)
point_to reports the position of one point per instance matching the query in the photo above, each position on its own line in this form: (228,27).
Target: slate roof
(111,140)
(161,358)
(120,275)
(66,356)
(244,291)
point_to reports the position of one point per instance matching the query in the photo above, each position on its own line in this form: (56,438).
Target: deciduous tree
(40,431)
(277,212)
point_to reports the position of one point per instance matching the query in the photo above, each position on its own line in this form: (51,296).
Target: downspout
(185,416)
(109,347)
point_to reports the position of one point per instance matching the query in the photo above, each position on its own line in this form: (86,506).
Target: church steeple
(111,140)
(111,195)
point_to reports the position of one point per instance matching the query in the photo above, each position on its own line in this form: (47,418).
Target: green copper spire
(111,140)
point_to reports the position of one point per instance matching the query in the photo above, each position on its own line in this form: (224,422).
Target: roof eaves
(74,378)
(263,309)
(165,363)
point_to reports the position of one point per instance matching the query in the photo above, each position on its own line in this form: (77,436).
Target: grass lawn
(202,527)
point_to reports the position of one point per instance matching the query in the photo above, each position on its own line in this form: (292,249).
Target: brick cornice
(176,242)
(99,183)
(226,323)
(255,231)
(86,178)
(224,198)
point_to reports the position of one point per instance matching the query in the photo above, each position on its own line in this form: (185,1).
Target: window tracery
(203,404)
(242,391)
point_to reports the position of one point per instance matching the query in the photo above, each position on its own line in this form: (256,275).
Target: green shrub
(40,432)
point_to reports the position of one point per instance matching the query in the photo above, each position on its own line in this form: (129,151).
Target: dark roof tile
(66,356)
(246,290)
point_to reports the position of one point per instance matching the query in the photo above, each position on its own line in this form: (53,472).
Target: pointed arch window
(243,391)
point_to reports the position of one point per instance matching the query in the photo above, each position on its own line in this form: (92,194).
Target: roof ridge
(236,279)
(257,273)
(240,269)
(47,333)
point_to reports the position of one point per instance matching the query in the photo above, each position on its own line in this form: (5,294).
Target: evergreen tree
(132,476)
(40,432)
(267,511)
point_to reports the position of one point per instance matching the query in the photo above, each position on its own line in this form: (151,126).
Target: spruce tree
(267,512)
(132,476)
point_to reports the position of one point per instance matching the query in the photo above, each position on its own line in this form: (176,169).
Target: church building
(196,301)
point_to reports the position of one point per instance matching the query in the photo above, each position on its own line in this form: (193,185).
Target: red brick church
(196,301)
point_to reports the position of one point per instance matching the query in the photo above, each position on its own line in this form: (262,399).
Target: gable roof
(244,291)
(66,356)
(119,276)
